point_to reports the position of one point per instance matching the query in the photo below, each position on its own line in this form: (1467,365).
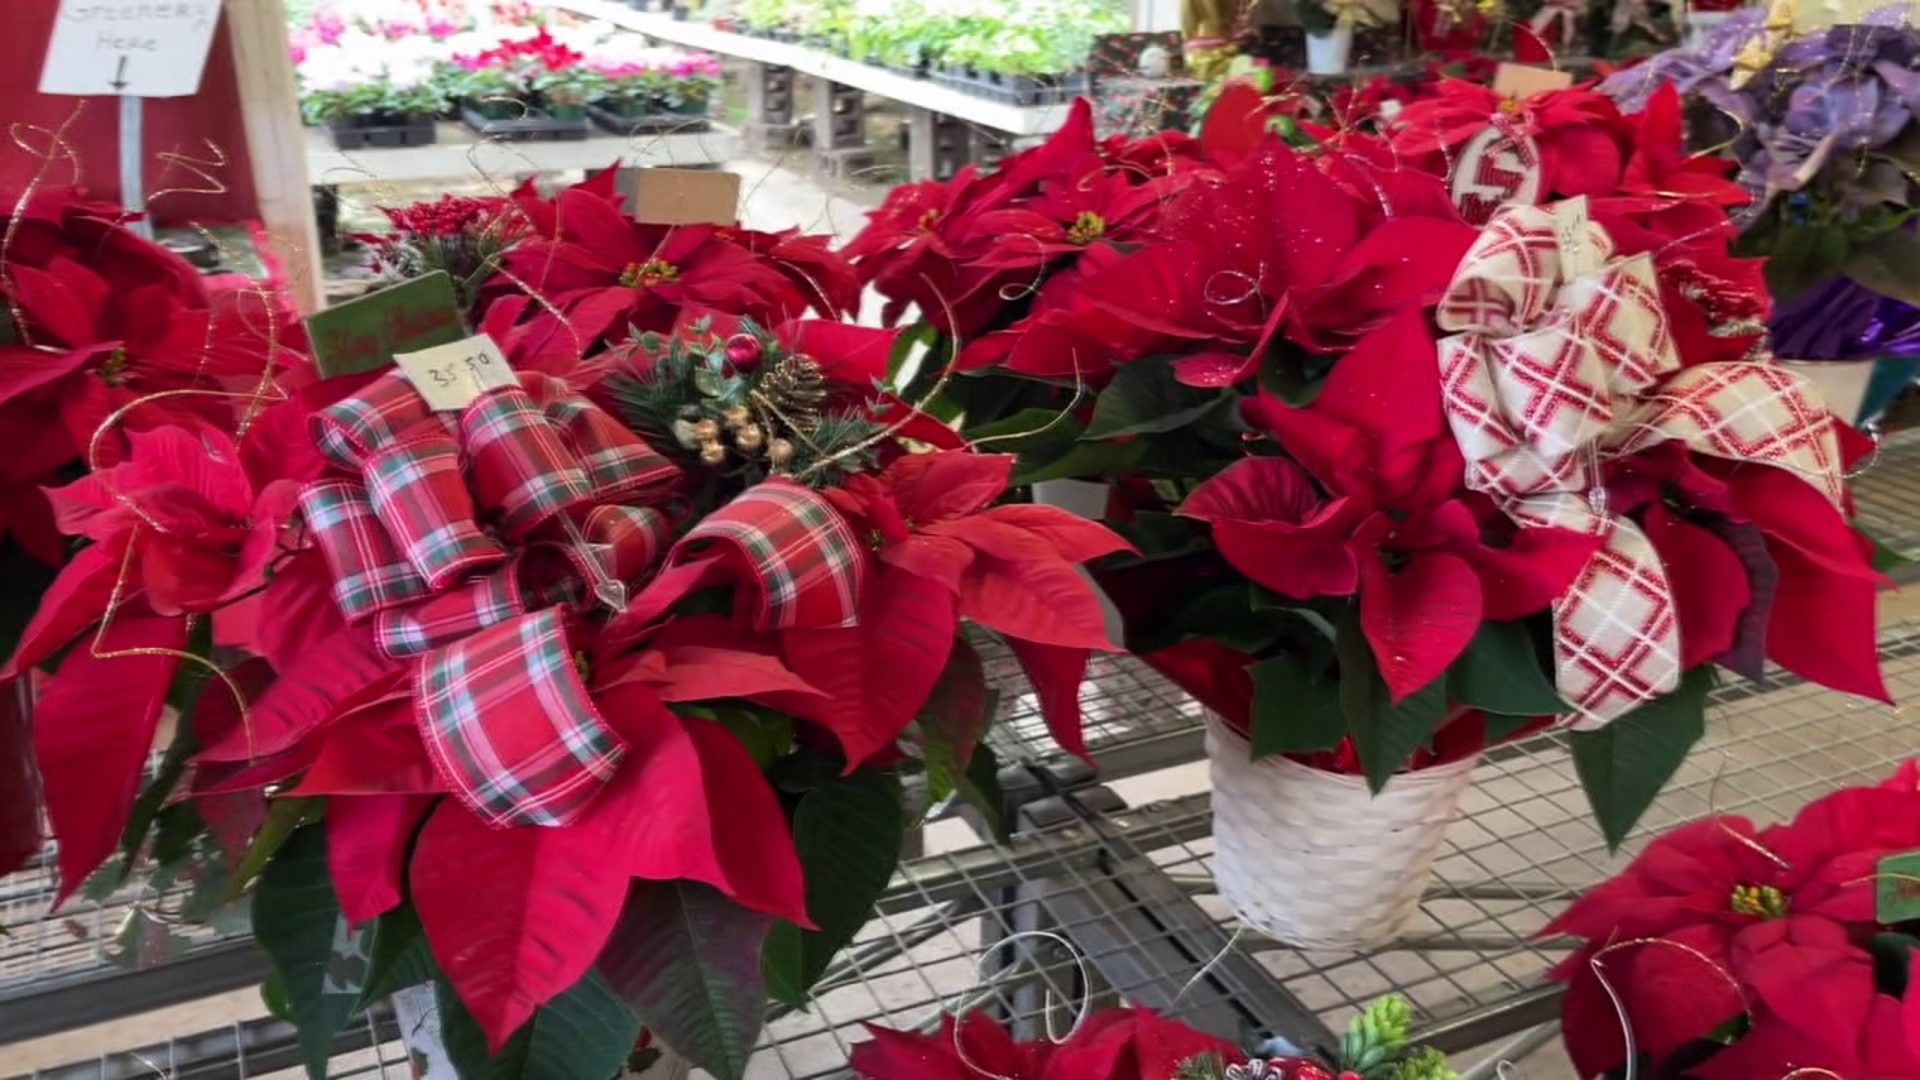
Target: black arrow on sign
(120,76)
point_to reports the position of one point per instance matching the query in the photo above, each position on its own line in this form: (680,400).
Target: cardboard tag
(1899,888)
(364,334)
(686,197)
(451,376)
(1577,256)
(1520,82)
(134,48)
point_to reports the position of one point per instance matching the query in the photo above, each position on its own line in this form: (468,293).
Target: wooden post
(276,141)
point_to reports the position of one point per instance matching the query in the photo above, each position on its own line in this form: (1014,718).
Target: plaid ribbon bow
(547,472)
(1552,371)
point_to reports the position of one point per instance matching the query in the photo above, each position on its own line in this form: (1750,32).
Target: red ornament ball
(744,352)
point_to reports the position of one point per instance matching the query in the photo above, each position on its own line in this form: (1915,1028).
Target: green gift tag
(1899,878)
(362,335)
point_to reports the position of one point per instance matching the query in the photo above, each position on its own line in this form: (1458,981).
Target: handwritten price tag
(1577,254)
(450,376)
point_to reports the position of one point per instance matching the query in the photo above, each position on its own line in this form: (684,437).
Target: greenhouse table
(1130,889)
(941,119)
(461,153)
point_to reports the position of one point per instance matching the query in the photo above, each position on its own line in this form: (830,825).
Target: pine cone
(796,391)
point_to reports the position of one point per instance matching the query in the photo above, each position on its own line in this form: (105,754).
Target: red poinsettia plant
(587,273)
(1389,468)
(1735,950)
(993,260)
(468,689)
(108,343)
(1132,1043)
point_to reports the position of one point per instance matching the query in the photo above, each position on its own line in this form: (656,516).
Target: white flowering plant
(366,75)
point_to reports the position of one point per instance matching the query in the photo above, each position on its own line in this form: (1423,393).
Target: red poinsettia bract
(1112,1044)
(188,524)
(945,554)
(516,915)
(1379,509)
(608,274)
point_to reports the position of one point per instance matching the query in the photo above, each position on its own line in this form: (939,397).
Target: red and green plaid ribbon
(413,525)
(420,543)
(801,556)
(510,726)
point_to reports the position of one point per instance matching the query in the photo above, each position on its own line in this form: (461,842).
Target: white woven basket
(1310,857)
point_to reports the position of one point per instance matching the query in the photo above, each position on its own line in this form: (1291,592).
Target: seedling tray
(536,128)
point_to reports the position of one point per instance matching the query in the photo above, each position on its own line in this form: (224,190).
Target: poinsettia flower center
(655,271)
(1760,901)
(1087,228)
(113,370)
(582,665)
(1510,105)
(928,216)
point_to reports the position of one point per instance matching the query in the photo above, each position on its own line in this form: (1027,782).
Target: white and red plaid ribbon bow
(1560,360)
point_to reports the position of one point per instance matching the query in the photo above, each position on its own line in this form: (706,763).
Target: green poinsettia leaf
(1144,399)
(1385,733)
(1500,673)
(980,786)
(1624,765)
(283,817)
(1056,451)
(1884,559)
(1801,256)
(848,835)
(320,962)
(1888,264)
(1293,710)
(686,960)
(1293,374)
(585,1031)
(954,719)
(400,956)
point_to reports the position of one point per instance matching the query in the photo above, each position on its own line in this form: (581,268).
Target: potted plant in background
(688,83)
(563,91)
(370,90)
(1823,132)
(1330,26)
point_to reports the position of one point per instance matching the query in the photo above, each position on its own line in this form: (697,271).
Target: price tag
(663,196)
(1577,254)
(451,376)
(134,48)
(1520,82)
(1899,888)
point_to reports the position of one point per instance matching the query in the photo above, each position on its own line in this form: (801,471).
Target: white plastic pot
(1702,23)
(1315,860)
(1330,53)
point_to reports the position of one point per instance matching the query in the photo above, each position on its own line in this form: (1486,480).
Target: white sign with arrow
(133,48)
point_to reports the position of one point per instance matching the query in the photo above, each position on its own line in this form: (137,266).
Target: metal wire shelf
(1887,491)
(1131,888)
